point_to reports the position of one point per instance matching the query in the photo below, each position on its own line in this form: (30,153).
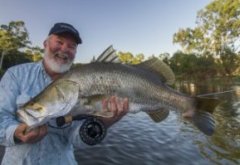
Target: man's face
(60,51)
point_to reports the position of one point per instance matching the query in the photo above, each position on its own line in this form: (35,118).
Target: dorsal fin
(108,55)
(159,67)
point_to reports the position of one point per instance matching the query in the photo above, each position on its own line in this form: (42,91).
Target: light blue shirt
(19,84)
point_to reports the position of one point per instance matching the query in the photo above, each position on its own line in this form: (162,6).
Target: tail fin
(206,104)
(204,122)
(203,118)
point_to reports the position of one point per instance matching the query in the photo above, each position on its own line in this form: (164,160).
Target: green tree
(206,67)
(13,37)
(216,34)
(193,66)
(15,46)
(165,57)
(34,53)
(129,58)
(15,58)
(229,60)
(184,65)
(217,27)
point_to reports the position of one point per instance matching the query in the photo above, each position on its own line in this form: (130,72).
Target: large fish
(146,85)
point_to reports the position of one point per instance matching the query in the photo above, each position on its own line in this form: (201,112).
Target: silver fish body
(81,90)
(145,90)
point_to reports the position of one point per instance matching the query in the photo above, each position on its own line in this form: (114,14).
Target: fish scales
(81,90)
(118,79)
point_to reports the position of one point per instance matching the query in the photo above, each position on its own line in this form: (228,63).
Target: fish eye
(38,108)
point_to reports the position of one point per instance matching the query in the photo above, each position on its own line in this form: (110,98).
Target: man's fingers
(105,104)
(125,106)
(120,108)
(31,136)
(42,131)
(19,133)
(113,106)
(21,129)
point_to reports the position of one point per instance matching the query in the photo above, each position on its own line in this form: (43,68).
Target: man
(45,144)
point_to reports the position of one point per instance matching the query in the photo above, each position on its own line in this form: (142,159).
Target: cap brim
(77,38)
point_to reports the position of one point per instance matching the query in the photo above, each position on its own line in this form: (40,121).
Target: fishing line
(216,93)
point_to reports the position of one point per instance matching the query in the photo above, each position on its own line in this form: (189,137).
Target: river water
(136,140)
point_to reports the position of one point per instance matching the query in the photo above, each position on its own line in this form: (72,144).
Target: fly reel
(92,131)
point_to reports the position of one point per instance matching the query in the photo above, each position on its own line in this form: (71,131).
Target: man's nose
(66,50)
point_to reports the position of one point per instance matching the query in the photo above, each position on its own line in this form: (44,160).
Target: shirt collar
(42,68)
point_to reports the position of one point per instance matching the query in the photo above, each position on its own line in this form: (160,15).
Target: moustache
(62,55)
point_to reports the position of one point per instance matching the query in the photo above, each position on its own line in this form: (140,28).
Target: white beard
(54,66)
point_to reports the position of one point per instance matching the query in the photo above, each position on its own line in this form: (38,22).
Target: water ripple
(137,140)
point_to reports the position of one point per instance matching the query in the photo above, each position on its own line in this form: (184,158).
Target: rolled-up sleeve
(9,91)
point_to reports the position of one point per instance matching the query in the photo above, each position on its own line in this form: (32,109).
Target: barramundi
(81,90)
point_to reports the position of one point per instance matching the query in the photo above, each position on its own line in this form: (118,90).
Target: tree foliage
(217,27)
(34,54)
(15,46)
(129,58)
(13,36)
(215,38)
(15,58)
(210,49)
(229,61)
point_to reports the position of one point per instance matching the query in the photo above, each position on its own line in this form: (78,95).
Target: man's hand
(31,136)
(118,106)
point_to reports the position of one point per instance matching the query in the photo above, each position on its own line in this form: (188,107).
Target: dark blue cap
(59,28)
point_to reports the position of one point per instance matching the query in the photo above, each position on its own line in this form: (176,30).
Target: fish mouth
(26,118)
(32,121)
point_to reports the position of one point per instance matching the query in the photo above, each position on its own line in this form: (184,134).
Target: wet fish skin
(81,90)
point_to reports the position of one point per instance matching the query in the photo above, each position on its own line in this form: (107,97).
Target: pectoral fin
(92,105)
(90,100)
(158,115)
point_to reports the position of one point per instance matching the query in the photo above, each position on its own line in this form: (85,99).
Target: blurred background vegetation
(15,46)
(210,50)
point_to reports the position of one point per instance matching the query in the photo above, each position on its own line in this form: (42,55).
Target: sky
(136,26)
